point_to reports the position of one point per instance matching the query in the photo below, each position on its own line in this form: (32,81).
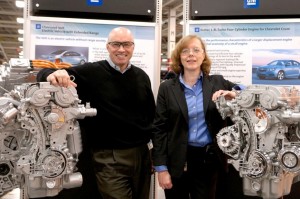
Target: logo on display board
(38,26)
(197,29)
(94,2)
(251,3)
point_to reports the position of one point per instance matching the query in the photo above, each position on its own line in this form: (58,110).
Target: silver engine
(264,142)
(40,139)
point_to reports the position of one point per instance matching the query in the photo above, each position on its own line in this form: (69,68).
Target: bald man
(118,135)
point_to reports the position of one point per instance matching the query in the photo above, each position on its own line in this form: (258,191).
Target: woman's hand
(227,94)
(61,78)
(164,180)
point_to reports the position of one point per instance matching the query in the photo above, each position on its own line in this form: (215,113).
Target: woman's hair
(176,64)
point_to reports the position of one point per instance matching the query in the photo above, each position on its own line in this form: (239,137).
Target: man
(125,104)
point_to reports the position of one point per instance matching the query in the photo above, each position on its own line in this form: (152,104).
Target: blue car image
(279,69)
(71,57)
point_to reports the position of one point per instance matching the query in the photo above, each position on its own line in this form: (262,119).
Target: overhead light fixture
(20,31)
(20,20)
(20,39)
(181,22)
(20,4)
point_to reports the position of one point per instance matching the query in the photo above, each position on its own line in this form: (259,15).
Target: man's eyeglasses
(117,45)
(187,51)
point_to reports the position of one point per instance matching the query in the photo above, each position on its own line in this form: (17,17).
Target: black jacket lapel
(207,87)
(180,97)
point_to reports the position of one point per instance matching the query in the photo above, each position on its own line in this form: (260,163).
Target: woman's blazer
(170,139)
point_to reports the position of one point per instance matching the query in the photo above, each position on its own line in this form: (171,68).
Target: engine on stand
(40,138)
(264,142)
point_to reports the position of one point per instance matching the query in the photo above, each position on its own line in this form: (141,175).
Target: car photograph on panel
(71,57)
(74,55)
(279,69)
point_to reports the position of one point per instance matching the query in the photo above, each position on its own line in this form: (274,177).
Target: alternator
(40,139)
(264,142)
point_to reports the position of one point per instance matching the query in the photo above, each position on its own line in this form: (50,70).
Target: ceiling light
(20,39)
(20,20)
(20,4)
(20,31)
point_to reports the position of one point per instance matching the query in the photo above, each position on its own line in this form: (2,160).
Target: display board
(88,38)
(96,9)
(217,9)
(239,47)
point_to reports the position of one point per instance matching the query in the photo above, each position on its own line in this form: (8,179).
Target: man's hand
(61,78)
(164,180)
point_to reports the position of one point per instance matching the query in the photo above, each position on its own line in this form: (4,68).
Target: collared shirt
(117,68)
(198,134)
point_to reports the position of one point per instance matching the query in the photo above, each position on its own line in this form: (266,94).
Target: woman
(185,152)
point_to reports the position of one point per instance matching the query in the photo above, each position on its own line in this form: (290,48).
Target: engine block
(40,139)
(263,144)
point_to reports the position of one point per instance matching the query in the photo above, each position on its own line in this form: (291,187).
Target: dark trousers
(123,173)
(202,167)
(200,179)
(180,189)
